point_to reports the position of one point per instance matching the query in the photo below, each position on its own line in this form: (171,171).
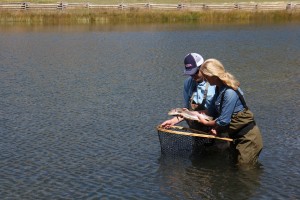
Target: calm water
(79,107)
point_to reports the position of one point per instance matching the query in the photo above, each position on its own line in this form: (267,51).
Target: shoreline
(79,16)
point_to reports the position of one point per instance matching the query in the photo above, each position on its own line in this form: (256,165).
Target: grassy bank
(142,1)
(135,16)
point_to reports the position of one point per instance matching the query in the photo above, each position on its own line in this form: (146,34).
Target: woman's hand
(202,119)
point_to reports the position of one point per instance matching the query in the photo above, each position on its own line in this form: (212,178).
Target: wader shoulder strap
(193,93)
(205,94)
(240,96)
(222,99)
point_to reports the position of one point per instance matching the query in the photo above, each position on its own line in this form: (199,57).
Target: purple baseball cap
(192,63)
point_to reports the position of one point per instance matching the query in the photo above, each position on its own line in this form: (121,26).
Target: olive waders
(247,140)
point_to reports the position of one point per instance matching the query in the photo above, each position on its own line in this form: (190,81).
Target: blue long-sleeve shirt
(190,88)
(231,105)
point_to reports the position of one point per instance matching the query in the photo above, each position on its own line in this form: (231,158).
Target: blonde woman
(233,117)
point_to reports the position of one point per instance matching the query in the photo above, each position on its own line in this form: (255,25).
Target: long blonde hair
(213,67)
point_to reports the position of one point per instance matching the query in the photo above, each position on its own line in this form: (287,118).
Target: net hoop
(191,132)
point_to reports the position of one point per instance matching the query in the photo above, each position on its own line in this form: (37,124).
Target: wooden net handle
(194,133)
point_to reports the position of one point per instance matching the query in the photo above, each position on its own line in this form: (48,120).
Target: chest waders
(197,107)
(241,122)
(199,143)
(247,143)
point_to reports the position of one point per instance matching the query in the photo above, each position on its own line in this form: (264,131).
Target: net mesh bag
(179,140)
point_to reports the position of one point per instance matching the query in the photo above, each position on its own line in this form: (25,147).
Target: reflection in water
(207,177)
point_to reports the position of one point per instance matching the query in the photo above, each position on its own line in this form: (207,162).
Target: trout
(187,114)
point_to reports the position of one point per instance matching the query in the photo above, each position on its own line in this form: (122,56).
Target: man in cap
(198,95)
(197,92)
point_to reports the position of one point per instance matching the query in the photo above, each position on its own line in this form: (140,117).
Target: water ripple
(79,110)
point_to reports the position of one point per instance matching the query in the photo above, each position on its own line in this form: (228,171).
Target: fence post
(236,6)
(147,5)
(24,6)
(60,5)
(289,6)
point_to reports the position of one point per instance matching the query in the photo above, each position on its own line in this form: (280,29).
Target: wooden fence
(251,6)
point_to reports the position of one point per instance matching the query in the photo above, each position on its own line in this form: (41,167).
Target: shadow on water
(207,175)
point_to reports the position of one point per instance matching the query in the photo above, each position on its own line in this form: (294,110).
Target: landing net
(181,140)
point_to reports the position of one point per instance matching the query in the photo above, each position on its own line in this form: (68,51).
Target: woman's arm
(228,105)
(205,122)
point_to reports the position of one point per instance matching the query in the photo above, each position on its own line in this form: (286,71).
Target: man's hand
(213,131)
(167,123)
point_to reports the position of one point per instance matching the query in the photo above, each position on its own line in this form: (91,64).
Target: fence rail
(193,7)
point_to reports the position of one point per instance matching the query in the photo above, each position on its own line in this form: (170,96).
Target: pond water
(79,107)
